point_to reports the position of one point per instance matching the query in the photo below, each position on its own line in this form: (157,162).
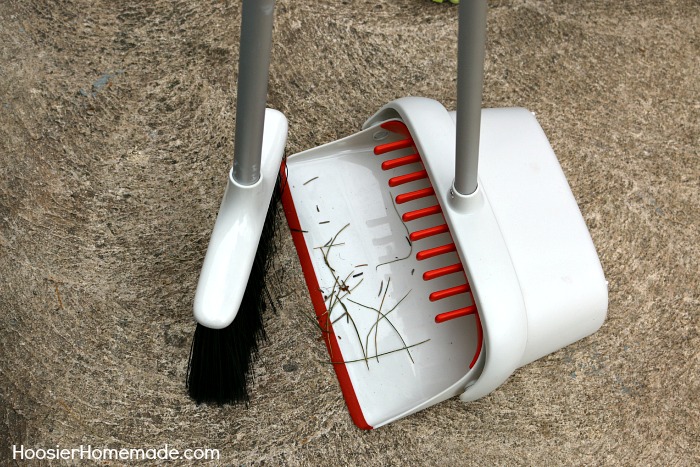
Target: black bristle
(221,360)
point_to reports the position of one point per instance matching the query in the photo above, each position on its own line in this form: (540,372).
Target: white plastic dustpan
(528,263)
(424,293)
(366,281)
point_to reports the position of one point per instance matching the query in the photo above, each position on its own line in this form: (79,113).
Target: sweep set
(442,250)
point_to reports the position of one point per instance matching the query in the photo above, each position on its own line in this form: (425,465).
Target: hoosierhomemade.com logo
(88,452)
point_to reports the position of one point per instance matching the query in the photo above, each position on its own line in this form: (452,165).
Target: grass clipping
(341,305)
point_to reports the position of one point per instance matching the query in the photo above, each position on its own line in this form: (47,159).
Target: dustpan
(429,279)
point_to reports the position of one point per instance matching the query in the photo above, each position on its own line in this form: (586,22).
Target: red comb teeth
(429,232)
(399,161)
(448,315)
(443,271)
(438,250)
(412,177)
(398,127)
(440,294)
(393,146)
(418,213)
(414,195)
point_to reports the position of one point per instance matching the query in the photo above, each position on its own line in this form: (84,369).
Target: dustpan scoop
(428,279)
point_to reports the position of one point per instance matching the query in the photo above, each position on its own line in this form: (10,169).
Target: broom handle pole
(253,73)
(470,80)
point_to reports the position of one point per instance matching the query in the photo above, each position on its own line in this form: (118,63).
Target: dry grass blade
(381,354)
(385,317)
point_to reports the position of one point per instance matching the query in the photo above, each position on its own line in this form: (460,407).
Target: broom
(229,300)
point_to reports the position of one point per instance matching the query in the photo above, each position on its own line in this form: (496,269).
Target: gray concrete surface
(116,124)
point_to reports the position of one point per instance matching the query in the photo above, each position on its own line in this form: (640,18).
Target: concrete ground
(116,131)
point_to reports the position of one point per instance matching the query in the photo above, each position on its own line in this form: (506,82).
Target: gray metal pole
(470,80)
(253,72)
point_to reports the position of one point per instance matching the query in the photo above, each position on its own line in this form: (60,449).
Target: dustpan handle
(253,73)
(470,79)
